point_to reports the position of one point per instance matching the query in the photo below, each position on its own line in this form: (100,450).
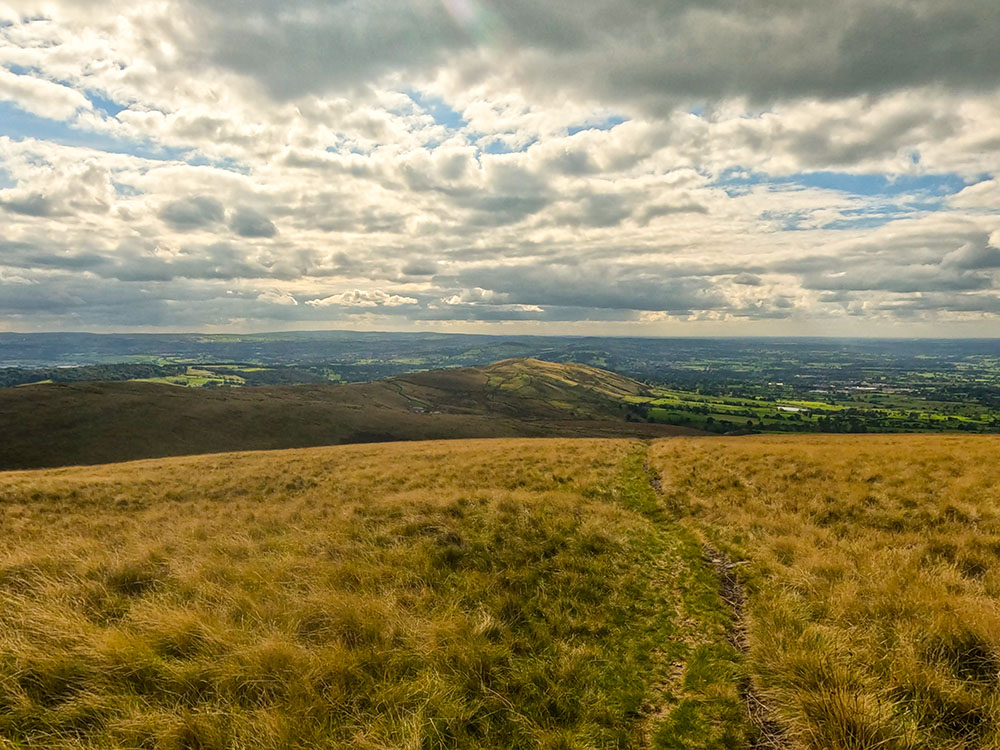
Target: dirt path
(768,733)
(772,736)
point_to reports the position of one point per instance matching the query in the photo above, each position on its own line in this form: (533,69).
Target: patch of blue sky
(925,205)
(101,103)
(878,184)
(870,221)
(604,123)
(6,181)
(865,217)
(788,221)
(437,108)
(740,181)
(500,146)
(126,190)
(227,163)
(21,70)
(19,125)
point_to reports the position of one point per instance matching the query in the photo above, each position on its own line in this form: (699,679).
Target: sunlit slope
(873,570)
(460,594)
(88,423)
(528,388)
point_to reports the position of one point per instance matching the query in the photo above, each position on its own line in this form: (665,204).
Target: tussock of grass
(480,594)
(874,579)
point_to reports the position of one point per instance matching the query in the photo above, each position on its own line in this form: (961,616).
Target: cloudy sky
(647,167)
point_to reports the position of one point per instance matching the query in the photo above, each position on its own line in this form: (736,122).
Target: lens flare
(478,21)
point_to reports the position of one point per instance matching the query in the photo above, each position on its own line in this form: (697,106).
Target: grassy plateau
(516,594)
(804,592)
(872,566)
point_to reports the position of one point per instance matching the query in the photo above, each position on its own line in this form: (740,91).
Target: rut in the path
(771,736)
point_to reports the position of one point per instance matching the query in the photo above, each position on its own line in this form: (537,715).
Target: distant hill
(59,424)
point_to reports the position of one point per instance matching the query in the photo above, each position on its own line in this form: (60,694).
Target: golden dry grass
(874,579)
(475,594)
(507,593)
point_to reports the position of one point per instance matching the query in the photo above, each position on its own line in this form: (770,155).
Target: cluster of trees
(846,421)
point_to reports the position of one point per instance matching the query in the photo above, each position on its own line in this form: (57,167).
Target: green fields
(716,385)
(858,409)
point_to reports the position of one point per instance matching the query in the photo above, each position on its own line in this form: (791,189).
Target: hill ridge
(48,425)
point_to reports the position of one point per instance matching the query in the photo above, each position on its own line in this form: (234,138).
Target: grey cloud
(418,267)
(67,261)
(840,142)
(308,46)
(122,304)
(510,194)
(647,213)
(611,287)
(38,253)
(841,296)
(642,51)
(501,210)
(513,313)
(194,212)
(574,162)
(336,212)
(973,256)
(929,306)
(891,44)
(747,279)
(35,204)
(903,263)
(906,279)
(247,222)
(595,210)
(134,262)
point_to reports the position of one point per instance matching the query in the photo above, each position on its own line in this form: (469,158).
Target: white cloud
(276,297)
(570,167)
(360,298)
(41,97)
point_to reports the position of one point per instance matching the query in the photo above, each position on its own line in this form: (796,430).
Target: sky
(642,167)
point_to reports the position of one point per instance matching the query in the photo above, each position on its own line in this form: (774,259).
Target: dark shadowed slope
(86,423)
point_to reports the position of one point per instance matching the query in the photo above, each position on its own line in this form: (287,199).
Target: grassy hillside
(872,567)
(63,424)
(475,594)
(807,592)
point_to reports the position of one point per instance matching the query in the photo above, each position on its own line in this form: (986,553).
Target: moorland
(604,571)
(822,592)
(57,424)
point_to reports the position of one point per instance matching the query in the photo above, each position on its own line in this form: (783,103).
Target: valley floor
(801,592)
